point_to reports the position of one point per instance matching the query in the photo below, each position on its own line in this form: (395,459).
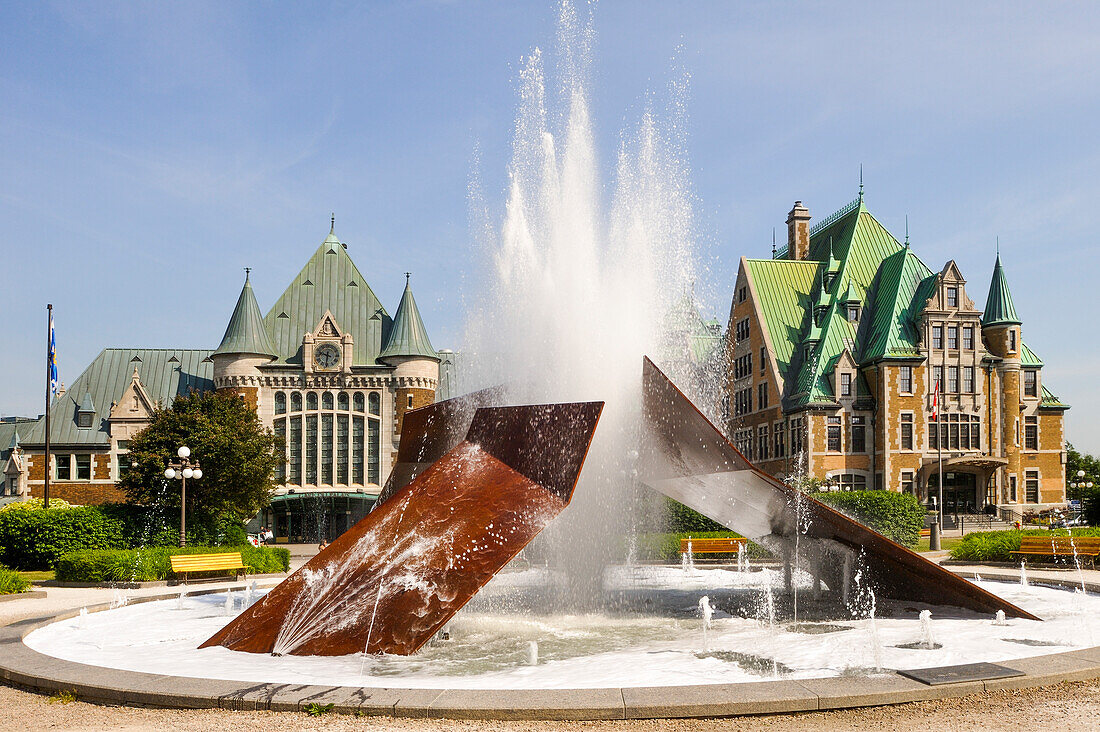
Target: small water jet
(533,653)
(1023,575)
(707,612)
(999,619)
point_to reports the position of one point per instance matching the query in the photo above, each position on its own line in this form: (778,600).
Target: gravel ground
(1073,706)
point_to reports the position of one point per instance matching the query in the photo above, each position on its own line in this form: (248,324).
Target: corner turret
(245,347)
(410,352)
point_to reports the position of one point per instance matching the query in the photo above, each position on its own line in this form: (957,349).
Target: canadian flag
(936,403)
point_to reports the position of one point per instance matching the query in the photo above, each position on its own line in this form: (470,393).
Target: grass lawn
(41,576)
(946,543)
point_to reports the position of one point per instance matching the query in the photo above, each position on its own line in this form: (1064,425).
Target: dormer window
(829,277)
(846,384)
(819,315)
(853,312)
(952,297)
(85,413)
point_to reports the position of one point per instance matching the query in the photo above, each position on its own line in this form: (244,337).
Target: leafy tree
(237,455)
(1089,497)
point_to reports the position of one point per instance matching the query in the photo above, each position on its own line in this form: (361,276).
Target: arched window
(359,402)
(375,403)
(280,402)
(311,401)
(326,400)
(342,401)
(296,401)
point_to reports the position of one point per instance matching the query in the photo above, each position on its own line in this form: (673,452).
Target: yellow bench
(1059,546)
(712,546)
(185,564)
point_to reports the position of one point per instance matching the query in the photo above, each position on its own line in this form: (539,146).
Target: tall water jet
(580,286)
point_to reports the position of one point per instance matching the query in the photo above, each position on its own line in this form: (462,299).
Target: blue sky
(150,151)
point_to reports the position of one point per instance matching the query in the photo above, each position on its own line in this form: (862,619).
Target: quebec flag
(51,359)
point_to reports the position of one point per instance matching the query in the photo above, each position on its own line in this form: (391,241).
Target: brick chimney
(798,232)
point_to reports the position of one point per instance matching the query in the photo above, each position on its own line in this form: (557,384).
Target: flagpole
(49,376)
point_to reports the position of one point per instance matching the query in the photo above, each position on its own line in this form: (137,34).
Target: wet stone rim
(21,666)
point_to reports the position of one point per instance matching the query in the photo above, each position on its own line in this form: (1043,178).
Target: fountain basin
(601,665)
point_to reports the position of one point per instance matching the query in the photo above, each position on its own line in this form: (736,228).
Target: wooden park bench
(712,546)
(926,533)
(185,564)
(1059,546)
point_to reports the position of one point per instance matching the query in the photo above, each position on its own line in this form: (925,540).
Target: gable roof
(108,377)
(408,336)
(897,296)
(329,281)
(783,288)
(246,332)
(853,245)
(999,308)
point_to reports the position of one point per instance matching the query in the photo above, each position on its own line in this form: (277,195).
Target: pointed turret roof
(246,332)
(329,283)
(999,309)
(408,337)
(86,404)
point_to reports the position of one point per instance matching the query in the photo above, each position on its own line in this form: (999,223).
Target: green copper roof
(165,374)
(999,309)
(1049,401)
(86,404)
(246,332)
(408,337)
(1028,357)
(853,244)
(783,289)
(850,294)
(13,431)
(897,296)
(329,281)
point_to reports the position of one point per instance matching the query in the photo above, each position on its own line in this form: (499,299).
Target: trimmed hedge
(997,546)
(34,538)
(151,564)
(897,516)
(666,547)
(11,582)
(682,519)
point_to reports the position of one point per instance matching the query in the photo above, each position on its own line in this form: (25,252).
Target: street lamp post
(181,470)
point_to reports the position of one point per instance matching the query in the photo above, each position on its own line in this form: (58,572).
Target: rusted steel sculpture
(395,578)
(688,459)
(428,433)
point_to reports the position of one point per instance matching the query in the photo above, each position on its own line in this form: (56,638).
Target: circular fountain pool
(650,633)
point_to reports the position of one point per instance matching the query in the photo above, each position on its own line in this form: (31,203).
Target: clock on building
(327,357)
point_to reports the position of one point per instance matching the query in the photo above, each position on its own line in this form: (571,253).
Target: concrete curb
(24,667)
(28,595)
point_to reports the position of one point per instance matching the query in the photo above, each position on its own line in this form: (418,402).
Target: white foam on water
(582,650)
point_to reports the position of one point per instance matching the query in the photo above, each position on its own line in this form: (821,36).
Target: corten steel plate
(688,459)
(396,577)
(428,433)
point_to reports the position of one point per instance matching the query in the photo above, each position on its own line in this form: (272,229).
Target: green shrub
(897,516)
(997,546)
(33,538)
(682,519)
(11,582)
(153,563)
(666,547)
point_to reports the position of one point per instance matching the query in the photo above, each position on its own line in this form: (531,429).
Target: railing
(832,218)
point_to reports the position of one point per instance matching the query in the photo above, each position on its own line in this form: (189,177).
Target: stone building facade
(327,369)
(836,345)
